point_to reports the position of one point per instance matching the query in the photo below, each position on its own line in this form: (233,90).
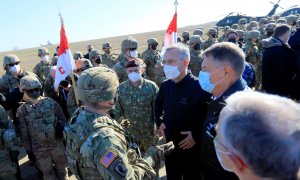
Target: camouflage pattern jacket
(8,82)
(159,73)
(71,102)
(252,52)
(121,70)
(195,61)
(97,147)
(206,44)
(41,124)
(150,58)
(109,59)
(49,88)
(42,70)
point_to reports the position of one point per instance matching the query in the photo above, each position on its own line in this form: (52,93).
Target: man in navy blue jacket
(180,109)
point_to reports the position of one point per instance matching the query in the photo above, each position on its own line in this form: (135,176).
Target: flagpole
(72,73)
(176,4)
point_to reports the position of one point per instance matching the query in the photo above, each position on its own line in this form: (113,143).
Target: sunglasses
(32,90)
(16,63)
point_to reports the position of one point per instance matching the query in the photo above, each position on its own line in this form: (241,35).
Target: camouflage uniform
(109,59)
(71,102)
(159,73)
(8,139)
(196,58)
(41,126)
(206,44)
(42,69)
(97,147)
(137,105)
(150,58)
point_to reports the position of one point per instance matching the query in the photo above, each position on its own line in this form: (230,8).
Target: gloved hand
(158,153)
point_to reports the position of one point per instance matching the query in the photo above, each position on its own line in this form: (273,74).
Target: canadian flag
(171,33)
(65,63)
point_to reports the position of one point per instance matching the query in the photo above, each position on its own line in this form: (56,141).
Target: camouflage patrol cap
(152,41)
(97,84)
(253,24)
(93,54)
(10,59)
(269,18)
(106,45)
(280,21)
(78,55)
(83,64)
(198,32)
(234,26)
(226,28)
(185,33)
(129,43)
(134,63)
(230,31)
(291,19)
(276,17)
(242,21)
(212,31)
(42,51)
(29,82)
(270,27)
(195,39)
(252,19)
(253,34)
(241,33)
(263,21)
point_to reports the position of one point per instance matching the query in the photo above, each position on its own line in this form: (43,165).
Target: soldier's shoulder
(118,66)
(150,83)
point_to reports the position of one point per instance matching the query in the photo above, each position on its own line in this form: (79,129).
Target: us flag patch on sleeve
(108,158)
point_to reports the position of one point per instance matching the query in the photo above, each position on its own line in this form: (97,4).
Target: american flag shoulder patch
(108,158)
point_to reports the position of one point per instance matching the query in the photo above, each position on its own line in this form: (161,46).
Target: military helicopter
(292,10)
(233,18)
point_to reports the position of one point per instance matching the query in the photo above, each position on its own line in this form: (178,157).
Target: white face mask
(134,76)
(133,54)
(171,72)
(45,58)
(221,160)
(15,69)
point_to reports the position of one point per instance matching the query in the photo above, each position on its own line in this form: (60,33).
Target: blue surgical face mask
(204,80)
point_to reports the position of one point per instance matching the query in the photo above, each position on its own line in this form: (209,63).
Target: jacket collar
(239,85)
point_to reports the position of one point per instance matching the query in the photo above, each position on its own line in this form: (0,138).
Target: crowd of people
(221,108)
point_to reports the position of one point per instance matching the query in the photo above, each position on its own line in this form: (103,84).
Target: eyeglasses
(16,63)
(32,90)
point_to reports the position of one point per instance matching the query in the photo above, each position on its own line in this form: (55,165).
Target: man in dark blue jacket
(221,75)
(180,109)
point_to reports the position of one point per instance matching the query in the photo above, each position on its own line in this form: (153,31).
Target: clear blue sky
(29,23)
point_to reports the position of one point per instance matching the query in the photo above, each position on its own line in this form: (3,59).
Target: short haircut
(183,51)
(228,53)
(265,131)
(281,30)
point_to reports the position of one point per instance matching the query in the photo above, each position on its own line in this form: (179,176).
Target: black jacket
(208,154)
(294,41)
(279,67)
(182,107)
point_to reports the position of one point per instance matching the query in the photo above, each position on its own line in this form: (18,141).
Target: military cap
(276,17)
(253,24)
(185,33)
(253,34)
(29,82)
(134,63)
(269,18)
(10,59)
(280,21)
(226,28)
(263,21)
(291,19)
(106,45)
(212,31)
(241,33)
(77,55)
(234,26)
(83,64)
(97,84)
(230,31)
(195,39)
(129,43)
(152,41)
(42,51)
(93,54)
(198,32)
(242,21)
(270,27)
(252,19)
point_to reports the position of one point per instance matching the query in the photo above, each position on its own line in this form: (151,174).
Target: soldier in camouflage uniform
(198,32)
(242,24)
(235,26)
(269,30)
(253,55)
(185,37)
(223,37)
(159,73)
(8,140)
(42,69)
(108,58)
(241,36)
(151,56)
(96,59)
(253,25)
(41,125)
(136,103)
(49,85)
(97,146)
(212,38)
(195,53)
(129,47)
(262,26)
(280,21)
(81,65)
(8,82)
(77,55)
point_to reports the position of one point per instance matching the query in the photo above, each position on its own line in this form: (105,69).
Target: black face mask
(197,46)
(269,33)
(214,36)
(98,60)
(241,39)
(154,47)
(34,95)
(186,38)
(232,40)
